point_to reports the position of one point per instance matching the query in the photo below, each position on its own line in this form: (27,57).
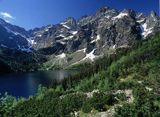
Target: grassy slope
(138,71)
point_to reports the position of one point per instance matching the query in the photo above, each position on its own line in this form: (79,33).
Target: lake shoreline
(26,84)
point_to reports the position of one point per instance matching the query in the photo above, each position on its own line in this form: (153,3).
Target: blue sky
(36,13)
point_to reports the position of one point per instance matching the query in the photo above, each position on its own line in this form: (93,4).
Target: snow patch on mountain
(63,55)
(24,49)
(90,56)
(84,50)
(61,35)
(64,24)
(39,35)
(154,19)
(61,42)
(145,31)
(140,15)
(73,32)
(97,38)
(114,46)
(68,38)
(121,15)
(47,30)
(32,42)
(141,20)
(15,33)
(107,16)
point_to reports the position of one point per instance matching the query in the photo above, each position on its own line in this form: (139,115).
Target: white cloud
(6,15)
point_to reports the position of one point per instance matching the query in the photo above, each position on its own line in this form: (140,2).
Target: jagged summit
(103,10)
(107,29)
(153,14)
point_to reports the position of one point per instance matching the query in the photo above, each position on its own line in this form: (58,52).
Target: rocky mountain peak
(88,37)
(153,14)
(106,12)
(102,10)
(69,23)
(130,12)
(153,20)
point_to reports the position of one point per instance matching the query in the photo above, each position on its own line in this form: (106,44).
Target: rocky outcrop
(90,36)
(108,28)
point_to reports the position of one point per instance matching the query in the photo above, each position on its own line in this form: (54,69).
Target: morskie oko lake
(26,84)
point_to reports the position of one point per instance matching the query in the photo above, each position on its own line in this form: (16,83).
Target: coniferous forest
(125,83)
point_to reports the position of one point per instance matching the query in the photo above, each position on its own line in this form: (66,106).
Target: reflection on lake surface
(26,84)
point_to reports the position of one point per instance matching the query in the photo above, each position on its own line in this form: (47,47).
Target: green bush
(87,107)
(100,100)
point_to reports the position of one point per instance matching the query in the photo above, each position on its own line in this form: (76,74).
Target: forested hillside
(12,60)
(125,83)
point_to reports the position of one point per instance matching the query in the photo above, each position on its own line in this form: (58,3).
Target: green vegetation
(17,61)
(127,82)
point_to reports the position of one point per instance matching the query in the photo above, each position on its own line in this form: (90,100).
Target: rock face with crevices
(106,29)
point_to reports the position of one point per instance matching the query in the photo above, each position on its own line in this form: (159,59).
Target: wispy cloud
(6,15)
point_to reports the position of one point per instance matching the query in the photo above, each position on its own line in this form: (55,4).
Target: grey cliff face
(106,29)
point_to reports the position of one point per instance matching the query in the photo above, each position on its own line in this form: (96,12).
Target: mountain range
(72,41)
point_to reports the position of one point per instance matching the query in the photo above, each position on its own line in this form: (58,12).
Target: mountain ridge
(76,41)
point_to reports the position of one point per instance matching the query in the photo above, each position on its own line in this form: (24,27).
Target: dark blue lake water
(26,84)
